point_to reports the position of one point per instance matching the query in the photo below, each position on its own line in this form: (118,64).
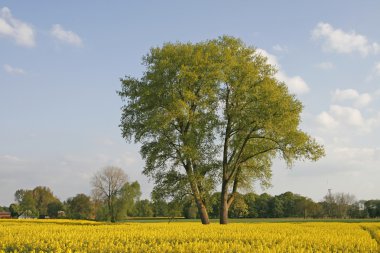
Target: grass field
(39,236)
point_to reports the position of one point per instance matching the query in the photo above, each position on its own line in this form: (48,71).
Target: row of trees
(41,202)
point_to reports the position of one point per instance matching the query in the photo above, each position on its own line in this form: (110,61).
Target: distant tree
(53,209)
(15,210)
(276,207)
(304,207)
(239,208)
(337,204)
(262,205)
(316,210)
(127,198)
(357,210)
(19,195)
(26,202)
(215,205)
(79,207)
(42,196)
(107,184)
(250,199)
(344,201)
(35,202)
(373,208)
(190,210)
(174,209)
(144,208)
(160,208)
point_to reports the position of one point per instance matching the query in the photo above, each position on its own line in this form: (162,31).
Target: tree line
(114,198)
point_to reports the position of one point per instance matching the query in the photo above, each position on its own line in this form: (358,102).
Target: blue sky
(60,65)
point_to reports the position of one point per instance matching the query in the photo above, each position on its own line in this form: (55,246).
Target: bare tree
(107,183)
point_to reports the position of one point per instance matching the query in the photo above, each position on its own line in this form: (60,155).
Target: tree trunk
(198,200)
(223,219)
(111,210)
(203,212)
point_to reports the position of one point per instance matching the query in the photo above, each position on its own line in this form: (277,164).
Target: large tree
(171,111)
(107,184)
(212,111)
(259,121)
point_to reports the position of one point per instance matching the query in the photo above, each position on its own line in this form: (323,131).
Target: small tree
(107,184)
(129,195)
(79,207)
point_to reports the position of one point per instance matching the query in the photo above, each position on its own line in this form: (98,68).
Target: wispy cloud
(359,100)
(337,40)
(10,27)
(295,83)
(66,36)
(12,70)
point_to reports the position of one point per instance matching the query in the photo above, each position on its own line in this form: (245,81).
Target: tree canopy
(212,112)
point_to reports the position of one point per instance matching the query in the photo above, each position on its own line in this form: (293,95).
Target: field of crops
(72,236)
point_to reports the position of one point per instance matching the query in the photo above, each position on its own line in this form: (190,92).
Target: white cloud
(12,70)
(343,42)
(295,83)
(326,120)
(344,118)
(65,36)
(13,28)
(326,65)
(347,115)
(359,100)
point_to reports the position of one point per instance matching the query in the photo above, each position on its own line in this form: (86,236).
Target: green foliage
(126,200)
(212,112)
(373,208)
(35,202)
(53,208)
(160,208)
(43,196)
(14,209)
(79,207)
(144,208)
(250,198)
(239,207)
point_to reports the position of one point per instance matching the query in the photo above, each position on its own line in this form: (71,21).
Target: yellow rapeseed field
(82,236)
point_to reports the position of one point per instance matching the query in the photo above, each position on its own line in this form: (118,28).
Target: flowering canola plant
(36,236)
